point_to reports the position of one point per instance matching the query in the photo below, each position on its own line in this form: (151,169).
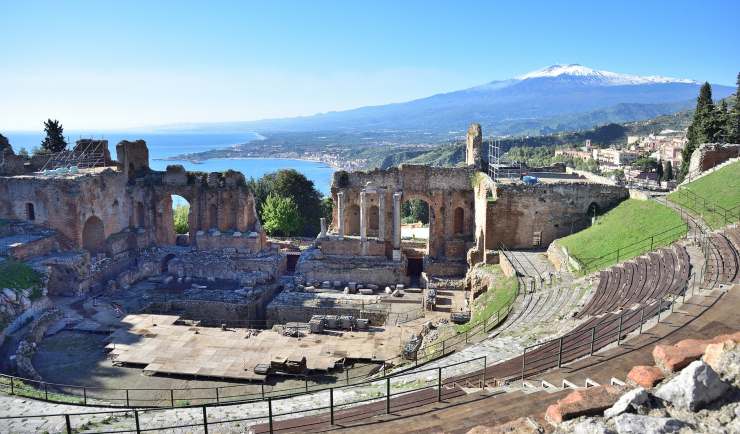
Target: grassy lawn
(498,295)
(627,227)
(719,188)
(18,275)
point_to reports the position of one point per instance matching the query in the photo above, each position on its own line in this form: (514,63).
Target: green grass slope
(630,229)
(711,195)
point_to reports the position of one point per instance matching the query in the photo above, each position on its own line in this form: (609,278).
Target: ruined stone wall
(315,266)
(709,155)
(352,246)
(443,189)
(522,213)
(126,206)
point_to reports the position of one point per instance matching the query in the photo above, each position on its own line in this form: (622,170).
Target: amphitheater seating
(642,280)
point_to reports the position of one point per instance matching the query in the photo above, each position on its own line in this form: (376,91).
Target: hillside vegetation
(629,228)
(17,275)
(711,195)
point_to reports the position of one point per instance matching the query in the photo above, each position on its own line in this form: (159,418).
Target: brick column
(397,225)
(381,215)
(363,215)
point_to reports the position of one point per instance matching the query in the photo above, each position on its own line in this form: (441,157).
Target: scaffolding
(498,166)
(87,154)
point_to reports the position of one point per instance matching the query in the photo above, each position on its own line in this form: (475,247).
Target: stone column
(322,234)
(397,225)
(363,216)
(381,215)
(340,214)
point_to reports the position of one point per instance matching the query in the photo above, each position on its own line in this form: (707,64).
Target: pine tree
(733,121)
(54,140)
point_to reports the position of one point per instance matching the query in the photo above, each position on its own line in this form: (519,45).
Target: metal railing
(383,395)
(700,206)
(629,251)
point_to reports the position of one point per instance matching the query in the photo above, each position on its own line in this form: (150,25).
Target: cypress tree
(703,128)
(722,119)
(733,118)
(667,170)
(54,140)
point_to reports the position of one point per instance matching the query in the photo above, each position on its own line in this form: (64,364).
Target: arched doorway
(373,221)
(93,235)
(181,219)
(164,267)
(415,222)
(30,212)
(353,220)
(458,221)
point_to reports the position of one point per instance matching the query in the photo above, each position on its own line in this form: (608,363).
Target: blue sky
(105,64)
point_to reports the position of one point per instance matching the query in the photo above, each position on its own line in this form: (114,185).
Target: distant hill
(557,98)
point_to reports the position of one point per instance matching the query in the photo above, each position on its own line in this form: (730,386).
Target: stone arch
(353,220)
(458,221)
(593,210)
(30,212)
(164,265)
(93,235)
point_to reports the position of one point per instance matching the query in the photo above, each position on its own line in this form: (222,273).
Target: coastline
(201,161)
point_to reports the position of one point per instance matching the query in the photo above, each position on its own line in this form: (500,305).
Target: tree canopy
(290,183)
(54,140)
(280,216)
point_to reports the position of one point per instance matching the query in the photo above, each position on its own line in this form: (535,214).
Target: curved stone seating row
(644,279)
(726,267)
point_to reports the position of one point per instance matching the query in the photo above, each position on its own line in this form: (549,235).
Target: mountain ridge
(558,97)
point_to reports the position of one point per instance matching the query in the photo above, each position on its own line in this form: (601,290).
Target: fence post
(269,413)
(524,355)
(172,398)
(439,384)
(136,421)
(642,317)
(69,424)
(593,339)
(263,391)
(673,302)
(331,405)
(46,392)
(660,306)
(560,351)
(218,400)
(388,395)
(346,375)
(205,420)
(306,380)
(127,401)
(485,361)
(12,386)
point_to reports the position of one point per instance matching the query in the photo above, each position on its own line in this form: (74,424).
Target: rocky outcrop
(27,347)
(703,397)
(584,402)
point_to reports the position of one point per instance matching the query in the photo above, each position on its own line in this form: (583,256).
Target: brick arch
(93,235)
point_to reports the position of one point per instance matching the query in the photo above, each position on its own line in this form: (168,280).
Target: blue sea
(163,145)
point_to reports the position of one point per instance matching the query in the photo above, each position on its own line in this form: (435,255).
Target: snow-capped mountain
(559,97)
(600,77)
